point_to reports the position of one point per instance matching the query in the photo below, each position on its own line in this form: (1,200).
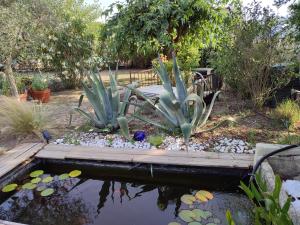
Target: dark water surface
(102,198)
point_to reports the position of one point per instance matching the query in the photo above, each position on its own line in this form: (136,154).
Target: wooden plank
(19,155)
(62,149)
(211,159)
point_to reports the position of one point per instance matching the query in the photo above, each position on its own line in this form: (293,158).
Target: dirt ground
(245,123)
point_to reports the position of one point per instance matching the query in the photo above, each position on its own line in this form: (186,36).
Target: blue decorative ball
(139,136)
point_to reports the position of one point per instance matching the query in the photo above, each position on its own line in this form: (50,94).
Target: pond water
(102,197)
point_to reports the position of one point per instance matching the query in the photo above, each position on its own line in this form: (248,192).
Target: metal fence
(144,78)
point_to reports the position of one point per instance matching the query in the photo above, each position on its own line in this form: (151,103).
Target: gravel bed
(170,143)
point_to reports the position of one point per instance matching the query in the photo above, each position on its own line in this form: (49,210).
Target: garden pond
(76,193)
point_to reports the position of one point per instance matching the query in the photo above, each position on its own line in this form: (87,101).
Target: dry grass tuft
(22,118)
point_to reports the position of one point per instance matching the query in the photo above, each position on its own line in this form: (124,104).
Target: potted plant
(39,89)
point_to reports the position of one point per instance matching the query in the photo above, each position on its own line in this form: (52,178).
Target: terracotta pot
(42,96)
(23,97)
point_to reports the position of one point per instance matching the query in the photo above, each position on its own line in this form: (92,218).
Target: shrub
(22,118)
(39,84)
(247,62)
(287,114)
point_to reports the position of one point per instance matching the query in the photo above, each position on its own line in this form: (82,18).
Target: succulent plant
(179,109)
(109,110)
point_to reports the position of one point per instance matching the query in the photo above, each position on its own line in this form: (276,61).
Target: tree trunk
(10,77)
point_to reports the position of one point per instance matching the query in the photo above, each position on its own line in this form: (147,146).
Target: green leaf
(47,192)
(29,186)
(36,173)
(277,188)
(174,223)
(247,191)
(63,176)
(123,123)
(9,187)
(186,215)
(188,199)
(36,180)
(47,179)
(41,188)
(75,173)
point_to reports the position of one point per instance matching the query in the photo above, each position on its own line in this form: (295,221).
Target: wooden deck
(13,158)
(205,159)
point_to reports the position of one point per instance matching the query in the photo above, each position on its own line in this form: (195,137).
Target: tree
(151,26)
(70,45)
(23,24)
(295,18)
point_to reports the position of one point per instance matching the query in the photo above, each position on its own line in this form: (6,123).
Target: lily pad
(40,188)
(174,223)
(205,214)
(198,214)
(204,196)
(216,220)
(211,224)
(63,176)
(47,179)
(47,192)
(29,186)
(194,223)
(36,173)
(186,215)
(75,173)
(9,187)
(36,180)
(188,199)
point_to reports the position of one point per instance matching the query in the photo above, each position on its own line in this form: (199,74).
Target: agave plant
(109,110)
(178,108)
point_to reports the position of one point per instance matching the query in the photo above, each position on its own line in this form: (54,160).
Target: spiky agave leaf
(123,123)
(207,114)
(180,86)
(115,97)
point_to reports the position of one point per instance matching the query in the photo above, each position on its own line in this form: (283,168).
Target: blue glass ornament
(139,136)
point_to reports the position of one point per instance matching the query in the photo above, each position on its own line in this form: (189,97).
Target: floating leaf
(186,215)
(204,214)
(29,186)
(41,188)
(36,173)
(47,179)
(47,192)
(75,173)
(188,199)
(174,223)
(211,224)
(198,214)
(9,187)
(204,196)
(216,220)
(63,176)
(36,180)
(194,223)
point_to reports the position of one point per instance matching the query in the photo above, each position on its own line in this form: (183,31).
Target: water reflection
(95,201)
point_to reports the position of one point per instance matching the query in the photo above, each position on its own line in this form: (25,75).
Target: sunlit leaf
(47,192)
(174,223)
(29,186)
(204,196)
(36,180)
(63,176)
(36,173)
(9,187)
(186,215)
(75,173)
(198,214)
(47,179)
(188,199)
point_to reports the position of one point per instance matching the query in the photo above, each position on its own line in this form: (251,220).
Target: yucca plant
(109,110)
(179,109)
